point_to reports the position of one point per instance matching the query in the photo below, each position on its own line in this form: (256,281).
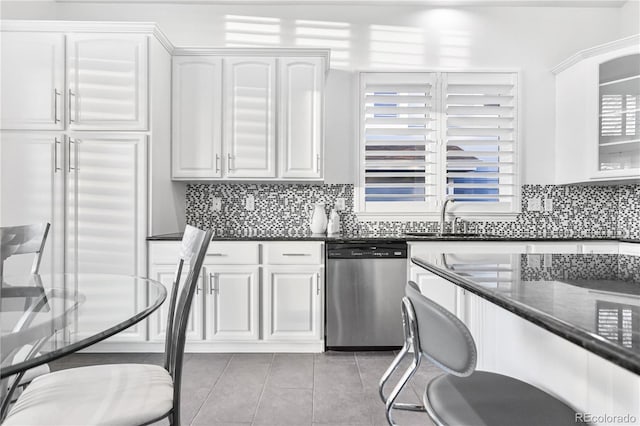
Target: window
(425,137)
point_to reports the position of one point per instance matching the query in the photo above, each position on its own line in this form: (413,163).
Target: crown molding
(633,40)
(89,27)
(428,3)
(254,51)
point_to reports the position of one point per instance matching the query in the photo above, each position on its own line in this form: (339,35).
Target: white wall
(630,18)
(532,39)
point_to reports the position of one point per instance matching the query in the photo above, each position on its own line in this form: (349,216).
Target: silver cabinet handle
(212,283)
(229,162)
(217,163)
(55,105)
(318,284)
(296,254)
(216,254)
(71,95)
(317,162)
(75,157)
(56,168)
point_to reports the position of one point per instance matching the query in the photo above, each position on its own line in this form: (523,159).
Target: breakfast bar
(568,322)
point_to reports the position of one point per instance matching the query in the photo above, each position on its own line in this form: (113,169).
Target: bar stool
(463,396)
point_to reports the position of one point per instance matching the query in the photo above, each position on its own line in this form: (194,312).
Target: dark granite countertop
(177,236)
(592,300)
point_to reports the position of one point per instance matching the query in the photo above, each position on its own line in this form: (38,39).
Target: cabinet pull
(217,163)
(55,105)
(71,95)
(296,254)
(213,288)
(229,162)
(56,168)
(318,163)
(75,157)
(318,284)
(216,254)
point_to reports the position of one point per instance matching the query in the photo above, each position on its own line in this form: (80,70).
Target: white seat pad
(34,372)
(113,394)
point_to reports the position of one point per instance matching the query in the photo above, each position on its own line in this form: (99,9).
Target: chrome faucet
(443,212)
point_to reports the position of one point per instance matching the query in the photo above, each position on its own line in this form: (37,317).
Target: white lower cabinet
(232,302)
(252,296)
(291,303)
(165,273)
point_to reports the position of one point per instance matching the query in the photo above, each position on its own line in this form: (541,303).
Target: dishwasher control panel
(367,251)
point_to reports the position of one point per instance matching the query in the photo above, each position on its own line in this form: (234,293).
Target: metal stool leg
(410,333)
(393,367)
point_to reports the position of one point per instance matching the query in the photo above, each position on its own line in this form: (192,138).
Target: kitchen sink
(446,234)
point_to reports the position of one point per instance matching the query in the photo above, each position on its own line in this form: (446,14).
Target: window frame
(404,212)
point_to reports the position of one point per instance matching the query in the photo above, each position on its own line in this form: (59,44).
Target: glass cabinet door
(619,126)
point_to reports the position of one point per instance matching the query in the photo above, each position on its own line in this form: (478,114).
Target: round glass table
(44,317)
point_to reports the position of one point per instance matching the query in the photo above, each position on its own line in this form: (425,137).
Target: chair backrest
(440,335)
(192,252)
(22,240)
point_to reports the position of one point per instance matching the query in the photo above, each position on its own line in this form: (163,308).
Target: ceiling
(435,3)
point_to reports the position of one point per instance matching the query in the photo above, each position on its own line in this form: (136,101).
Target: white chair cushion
(38,371)
(113,394)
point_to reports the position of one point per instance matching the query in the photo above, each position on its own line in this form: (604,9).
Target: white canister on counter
(318,219)
(334,222)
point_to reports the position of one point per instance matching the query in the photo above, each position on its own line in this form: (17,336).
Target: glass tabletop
(44,317)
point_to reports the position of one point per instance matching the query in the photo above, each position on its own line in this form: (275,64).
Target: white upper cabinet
(32,80)
(597,98)
(197,117)
(249,124)
(301,86)
(241,117)
(107,81)
(55,79)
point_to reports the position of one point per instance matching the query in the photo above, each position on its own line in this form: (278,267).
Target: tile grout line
(264,386)
(212,386)
(371,418)
(313,388)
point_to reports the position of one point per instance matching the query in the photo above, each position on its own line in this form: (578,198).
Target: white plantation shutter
(398,134)
(425,137)
(479,134)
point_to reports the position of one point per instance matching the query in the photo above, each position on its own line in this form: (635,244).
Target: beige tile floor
(331,389)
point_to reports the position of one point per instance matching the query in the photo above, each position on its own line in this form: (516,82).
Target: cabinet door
(106,204)
(301,87)
(32,80)
(232,302)
(158,320)
(31,182)
(197,117)
(249,124)
(292,308)
(107,81)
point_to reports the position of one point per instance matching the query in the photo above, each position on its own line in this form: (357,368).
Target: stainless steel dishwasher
(365,284)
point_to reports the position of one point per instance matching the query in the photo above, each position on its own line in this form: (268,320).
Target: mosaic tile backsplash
(285,209)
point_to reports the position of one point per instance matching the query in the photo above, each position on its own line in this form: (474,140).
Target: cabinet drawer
(299,253)
(164,252)
(233,253)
